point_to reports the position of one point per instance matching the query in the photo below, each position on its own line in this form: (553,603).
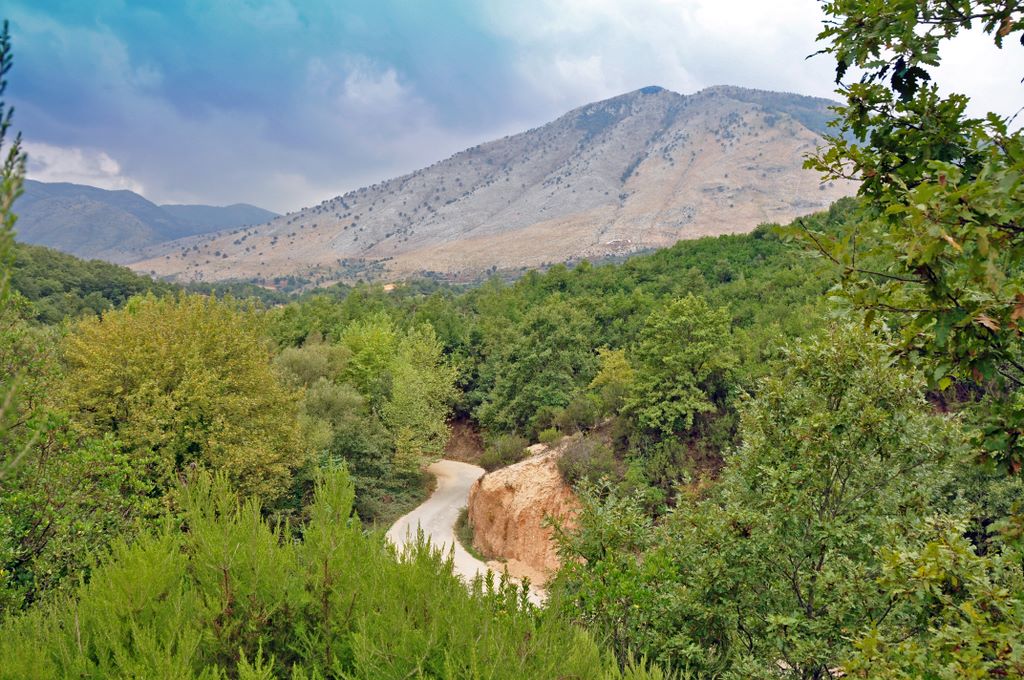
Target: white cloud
(619,45)
(686,45)
(49,163)
(354,119)
(376,91)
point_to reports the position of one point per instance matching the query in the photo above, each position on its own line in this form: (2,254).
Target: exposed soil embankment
(507,509)
(465,443)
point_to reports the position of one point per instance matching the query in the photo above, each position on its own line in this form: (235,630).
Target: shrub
(581,414)
(233,594)
(588,459)
(503,451)
(549,436)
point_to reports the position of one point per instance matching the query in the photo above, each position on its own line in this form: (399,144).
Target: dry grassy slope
(641,170)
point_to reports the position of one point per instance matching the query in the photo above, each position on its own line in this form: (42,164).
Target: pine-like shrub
(225,594)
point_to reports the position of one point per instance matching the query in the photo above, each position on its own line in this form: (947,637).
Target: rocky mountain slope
(634,172)
(116,225)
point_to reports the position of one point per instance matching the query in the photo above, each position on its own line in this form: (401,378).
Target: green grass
(464,532)
(388,509)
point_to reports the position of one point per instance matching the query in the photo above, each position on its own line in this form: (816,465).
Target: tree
(682,364)
(371,344)
(185,382)
(12,175)
(538,364)
(770,572)
(422,391)
(962,610)
(614,379)
(65,502)
(939,247)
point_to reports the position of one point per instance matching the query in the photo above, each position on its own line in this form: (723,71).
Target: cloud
(284,103)
(48,163)
(373,91)
(684,46)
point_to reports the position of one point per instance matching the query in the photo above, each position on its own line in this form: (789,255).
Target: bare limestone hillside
(639,171)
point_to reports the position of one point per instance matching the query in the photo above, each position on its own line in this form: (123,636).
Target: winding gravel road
(439,513)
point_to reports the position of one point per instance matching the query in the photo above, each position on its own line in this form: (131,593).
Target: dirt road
(439,513)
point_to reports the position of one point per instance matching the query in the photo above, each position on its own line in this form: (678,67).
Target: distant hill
(201,219)
(61,286)
(116,225)
(638,171)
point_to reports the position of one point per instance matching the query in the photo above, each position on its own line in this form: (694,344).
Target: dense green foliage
(840,455)
(61,286)
(12,175)
(773,483)
(378,402)
(185,382)
(850,530)
(938,248)
(534,355)
(117,407)
(231,596)
(683,364)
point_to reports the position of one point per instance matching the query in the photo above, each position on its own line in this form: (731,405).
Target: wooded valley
(797,451)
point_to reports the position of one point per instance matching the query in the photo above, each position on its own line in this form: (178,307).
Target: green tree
(538,364)
(372,344)
(422,391)
(772,570)
(614,379)
(184,382)
(682,365)
(62,506)
(12,175)
(938,248)
(12,172)
(959,611)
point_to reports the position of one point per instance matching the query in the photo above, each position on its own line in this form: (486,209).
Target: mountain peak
(630,173)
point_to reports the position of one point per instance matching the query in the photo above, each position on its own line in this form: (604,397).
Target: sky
(285,103)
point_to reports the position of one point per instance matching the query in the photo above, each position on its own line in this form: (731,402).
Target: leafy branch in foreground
(939,249)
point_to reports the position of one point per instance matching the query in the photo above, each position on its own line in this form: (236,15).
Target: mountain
(638,171)
(116,225)
(200,219)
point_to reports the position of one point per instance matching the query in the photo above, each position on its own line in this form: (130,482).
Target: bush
(549,436)
(580,415)
(588,459)
(185,381)
(503,451)
(234,593)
